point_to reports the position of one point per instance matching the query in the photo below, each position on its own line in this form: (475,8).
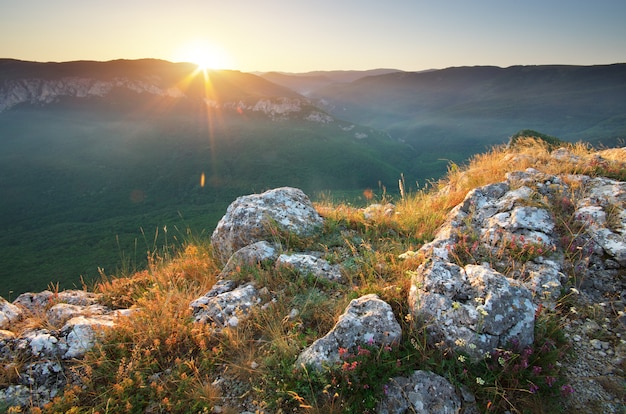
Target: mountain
(306,83)
(97,159)
(456,112)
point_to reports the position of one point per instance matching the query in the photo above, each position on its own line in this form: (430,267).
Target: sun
(205,55)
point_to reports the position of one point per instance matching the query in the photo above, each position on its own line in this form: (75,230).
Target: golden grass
(159,354)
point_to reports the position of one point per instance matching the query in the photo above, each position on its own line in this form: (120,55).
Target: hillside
(460,111)
(105,155)
(500,287)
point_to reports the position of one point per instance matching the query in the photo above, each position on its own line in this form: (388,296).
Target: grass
(158,360)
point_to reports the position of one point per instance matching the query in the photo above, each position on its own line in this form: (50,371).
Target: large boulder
(366,320)
(473,309)
(251,218)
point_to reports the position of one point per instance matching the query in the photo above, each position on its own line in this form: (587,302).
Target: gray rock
(473,309)
(366,320)
(250,255)
(225,308)
(422,393)
(309,264)
(9,313)
(81,333)
(40,343)
(249,219)
(61,312)
(374,211)
(37,302)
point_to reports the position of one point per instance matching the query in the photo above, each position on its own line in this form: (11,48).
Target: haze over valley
(105,163)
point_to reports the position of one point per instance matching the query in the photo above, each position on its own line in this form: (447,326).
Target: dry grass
(158,360)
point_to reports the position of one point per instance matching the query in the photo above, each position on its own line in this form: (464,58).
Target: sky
(306,35)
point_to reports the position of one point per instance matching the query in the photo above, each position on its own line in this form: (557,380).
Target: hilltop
(501,285)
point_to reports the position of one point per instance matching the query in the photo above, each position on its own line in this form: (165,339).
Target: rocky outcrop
(45,91)
(499,256)
(252,218)
(41,357)
(366,320)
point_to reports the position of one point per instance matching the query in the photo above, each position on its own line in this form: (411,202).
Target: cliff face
(224,90)
(43,91)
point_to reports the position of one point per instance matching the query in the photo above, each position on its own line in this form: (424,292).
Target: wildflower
(456,305)
(533,388)
(501,361)
(481,310)
(567,390)
(536,370)
(479,300)
(550,381)
(460,342)
(385,389)
(461,358)
(342,352)
(480,381)
(472,346)
(408,317)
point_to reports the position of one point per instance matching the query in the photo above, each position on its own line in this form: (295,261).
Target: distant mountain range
(92,152)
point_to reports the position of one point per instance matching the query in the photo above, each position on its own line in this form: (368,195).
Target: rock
(223,308)
(46,353)
(422,393)
(40,343)
(251,255)
(374,211)
(9,313)
(366,320)
(62,312)
(36,302)
(80,333)
(605,198)
(249,219)
(473,309)
(16,395)
(309,264)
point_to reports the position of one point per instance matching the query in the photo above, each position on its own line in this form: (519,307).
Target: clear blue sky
(298,35)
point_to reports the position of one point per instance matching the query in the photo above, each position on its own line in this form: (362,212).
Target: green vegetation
(87,185)
(158,360)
